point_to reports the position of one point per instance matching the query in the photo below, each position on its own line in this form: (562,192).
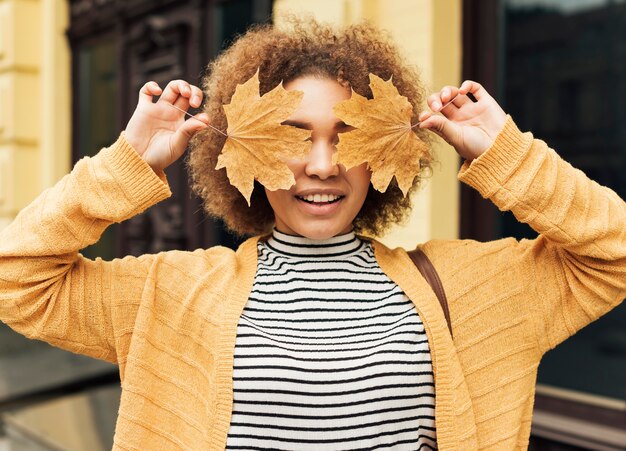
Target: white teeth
(320,198)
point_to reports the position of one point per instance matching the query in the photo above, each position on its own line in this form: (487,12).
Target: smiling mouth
(320,198)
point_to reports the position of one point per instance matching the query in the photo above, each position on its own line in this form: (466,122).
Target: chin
(321,232)
(319,235)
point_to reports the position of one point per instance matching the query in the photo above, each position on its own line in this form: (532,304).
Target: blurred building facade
(70,71)
(35,100)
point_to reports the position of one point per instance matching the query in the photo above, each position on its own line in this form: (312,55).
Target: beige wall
(34,100)
(429,35)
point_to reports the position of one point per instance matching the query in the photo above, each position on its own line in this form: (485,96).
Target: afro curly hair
(307,48)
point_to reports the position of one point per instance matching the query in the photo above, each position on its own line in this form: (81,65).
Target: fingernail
(196,99)
(436,105)
(446,92)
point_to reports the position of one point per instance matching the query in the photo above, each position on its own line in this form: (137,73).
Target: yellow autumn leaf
(257,145)
(383,137)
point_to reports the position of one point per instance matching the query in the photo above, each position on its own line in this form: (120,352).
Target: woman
(310,336)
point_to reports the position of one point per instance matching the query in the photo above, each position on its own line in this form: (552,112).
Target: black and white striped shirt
(330,353)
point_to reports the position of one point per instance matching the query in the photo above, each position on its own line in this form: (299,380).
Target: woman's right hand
(159,132)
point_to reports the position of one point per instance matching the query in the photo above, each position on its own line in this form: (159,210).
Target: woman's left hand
(470,127)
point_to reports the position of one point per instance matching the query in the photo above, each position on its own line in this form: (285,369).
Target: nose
(319,162)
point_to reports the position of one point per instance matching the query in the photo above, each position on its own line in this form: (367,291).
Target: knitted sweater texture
(169,320)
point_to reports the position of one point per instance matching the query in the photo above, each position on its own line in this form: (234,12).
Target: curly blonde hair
(308,48)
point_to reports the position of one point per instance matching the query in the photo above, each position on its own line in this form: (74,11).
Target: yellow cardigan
(169,320)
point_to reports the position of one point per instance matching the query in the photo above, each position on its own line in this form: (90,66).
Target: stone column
(34,100)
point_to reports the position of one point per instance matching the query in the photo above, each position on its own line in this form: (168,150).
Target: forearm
(577,266)
(525,176)
(47,290)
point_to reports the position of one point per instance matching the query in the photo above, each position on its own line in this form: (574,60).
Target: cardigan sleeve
(49,291)
(577,265)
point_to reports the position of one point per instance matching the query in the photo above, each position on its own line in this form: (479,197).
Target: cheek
(281,201)
(360,178)
(296,166)
(273,198)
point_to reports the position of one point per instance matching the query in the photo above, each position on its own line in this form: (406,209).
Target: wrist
(134,141)
(494,167)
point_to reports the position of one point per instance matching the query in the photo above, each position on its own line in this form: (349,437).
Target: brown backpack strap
(429,273)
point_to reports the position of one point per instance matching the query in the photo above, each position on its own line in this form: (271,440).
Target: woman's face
(326,198)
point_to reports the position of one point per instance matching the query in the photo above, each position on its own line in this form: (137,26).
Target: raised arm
(578,263)
(48,290)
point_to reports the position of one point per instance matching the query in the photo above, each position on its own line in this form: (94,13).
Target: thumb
(443,127)
(187,129)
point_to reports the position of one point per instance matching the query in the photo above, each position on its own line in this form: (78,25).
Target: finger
(448,108)
(185,95)
(442,127)
(196,97)
(434,102)
(452,98)
(175,90)
(474,88)
(187,129)
(448,93)
(443,98)
(201,119)
(424,115)
(149,90)
(461,100)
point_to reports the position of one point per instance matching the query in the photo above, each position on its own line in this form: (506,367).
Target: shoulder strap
(428,271)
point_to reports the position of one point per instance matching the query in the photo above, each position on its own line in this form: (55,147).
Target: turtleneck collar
(299,246)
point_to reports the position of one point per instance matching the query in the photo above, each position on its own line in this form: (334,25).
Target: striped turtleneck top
(330,353)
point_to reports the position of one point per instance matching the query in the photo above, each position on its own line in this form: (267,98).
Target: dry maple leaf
(258,145)
(383,137)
